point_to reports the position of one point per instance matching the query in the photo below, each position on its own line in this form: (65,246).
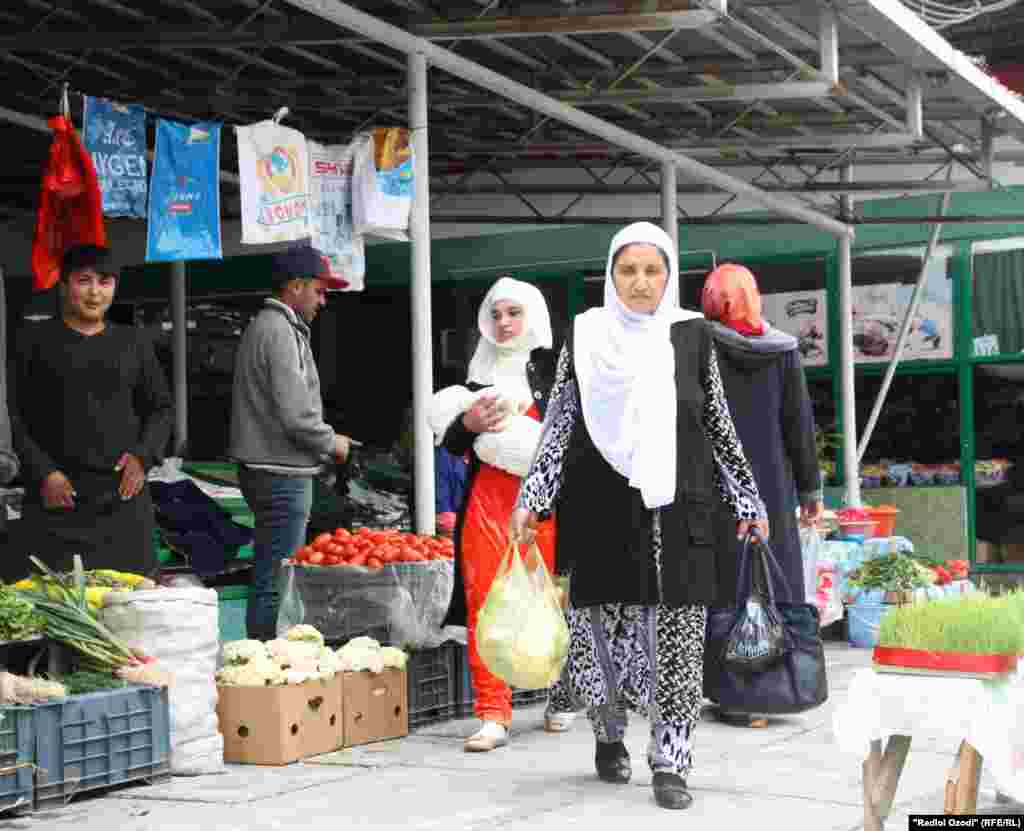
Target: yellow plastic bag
(521,633)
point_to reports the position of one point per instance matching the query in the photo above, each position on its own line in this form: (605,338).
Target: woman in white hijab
(638,444)
(497,415)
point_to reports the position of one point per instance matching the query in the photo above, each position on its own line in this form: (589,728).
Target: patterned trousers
(644,659)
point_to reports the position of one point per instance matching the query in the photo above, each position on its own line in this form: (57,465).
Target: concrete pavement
(789,775)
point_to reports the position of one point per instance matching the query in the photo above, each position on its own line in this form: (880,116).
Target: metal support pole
(846,366)
(422,341)
(915,106)
(828,43)
(908,320)
(987,150)
(670,203)
(180,351)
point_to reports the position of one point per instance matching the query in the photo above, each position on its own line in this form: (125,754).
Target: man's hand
(485,416)
(57,492)
(757,526)
(342,447)
(133,475)
(811,513)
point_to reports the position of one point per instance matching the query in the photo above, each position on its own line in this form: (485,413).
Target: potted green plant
(973,635)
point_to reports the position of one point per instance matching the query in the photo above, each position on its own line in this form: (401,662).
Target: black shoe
(670,792)
(612,762)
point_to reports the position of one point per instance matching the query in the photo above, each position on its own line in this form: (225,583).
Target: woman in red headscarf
(767,395)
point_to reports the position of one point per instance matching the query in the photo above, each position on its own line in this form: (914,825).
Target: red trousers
(484,543)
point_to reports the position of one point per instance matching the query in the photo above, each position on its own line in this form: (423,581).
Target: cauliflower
(374,662)
(242,652)
(362,643)
(360,658)
(256,673)
(305,632)
(328,662)
(296,655)
(294,677)
(394,658)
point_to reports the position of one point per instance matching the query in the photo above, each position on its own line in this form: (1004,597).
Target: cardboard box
(375,707)
(280,725)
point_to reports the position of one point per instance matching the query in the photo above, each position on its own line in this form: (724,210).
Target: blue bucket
(863,622)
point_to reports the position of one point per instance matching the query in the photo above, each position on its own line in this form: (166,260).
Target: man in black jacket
(90,413)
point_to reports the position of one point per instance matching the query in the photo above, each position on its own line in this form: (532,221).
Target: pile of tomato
(372,549)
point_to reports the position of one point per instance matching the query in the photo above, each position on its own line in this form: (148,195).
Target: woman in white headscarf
(638,446)
(497,416)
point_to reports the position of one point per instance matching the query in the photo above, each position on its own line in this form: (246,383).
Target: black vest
(604,530)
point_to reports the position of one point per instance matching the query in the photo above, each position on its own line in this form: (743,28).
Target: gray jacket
(277,414)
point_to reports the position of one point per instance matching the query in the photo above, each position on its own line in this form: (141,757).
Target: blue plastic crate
(16,748)
(100,739)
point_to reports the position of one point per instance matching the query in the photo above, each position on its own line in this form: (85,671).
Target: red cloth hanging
(70,204)
(1010,75)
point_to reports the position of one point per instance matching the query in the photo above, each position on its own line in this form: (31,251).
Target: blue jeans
(281,506)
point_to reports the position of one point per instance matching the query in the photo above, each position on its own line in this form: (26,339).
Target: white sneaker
(489,737)
(558,722)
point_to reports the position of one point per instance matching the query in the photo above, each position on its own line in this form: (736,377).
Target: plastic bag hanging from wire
(70,210)
(521,632)
(757,639)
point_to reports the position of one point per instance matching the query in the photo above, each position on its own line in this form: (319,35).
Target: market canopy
(782,89)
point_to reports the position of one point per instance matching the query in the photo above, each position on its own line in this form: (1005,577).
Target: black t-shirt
(80,401)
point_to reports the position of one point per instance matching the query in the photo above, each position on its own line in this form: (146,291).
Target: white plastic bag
(273,168)
(178,627)
(382,183)
(810,545)
(522,635)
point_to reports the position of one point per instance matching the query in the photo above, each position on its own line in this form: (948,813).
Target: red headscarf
(731,297)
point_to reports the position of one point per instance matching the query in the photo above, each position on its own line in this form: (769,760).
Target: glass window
(883,284)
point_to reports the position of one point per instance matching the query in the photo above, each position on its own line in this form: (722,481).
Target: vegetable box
(375,706)
(278,725)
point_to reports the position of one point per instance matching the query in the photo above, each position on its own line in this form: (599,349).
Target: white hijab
(503,366)
(625,369)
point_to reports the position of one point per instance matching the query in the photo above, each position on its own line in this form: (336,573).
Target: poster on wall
(273,166)
(115,136)
(804,315)
(330,190)
(878,313)
(184,205)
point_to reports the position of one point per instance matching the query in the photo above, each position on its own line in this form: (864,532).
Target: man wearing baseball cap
(278,433)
